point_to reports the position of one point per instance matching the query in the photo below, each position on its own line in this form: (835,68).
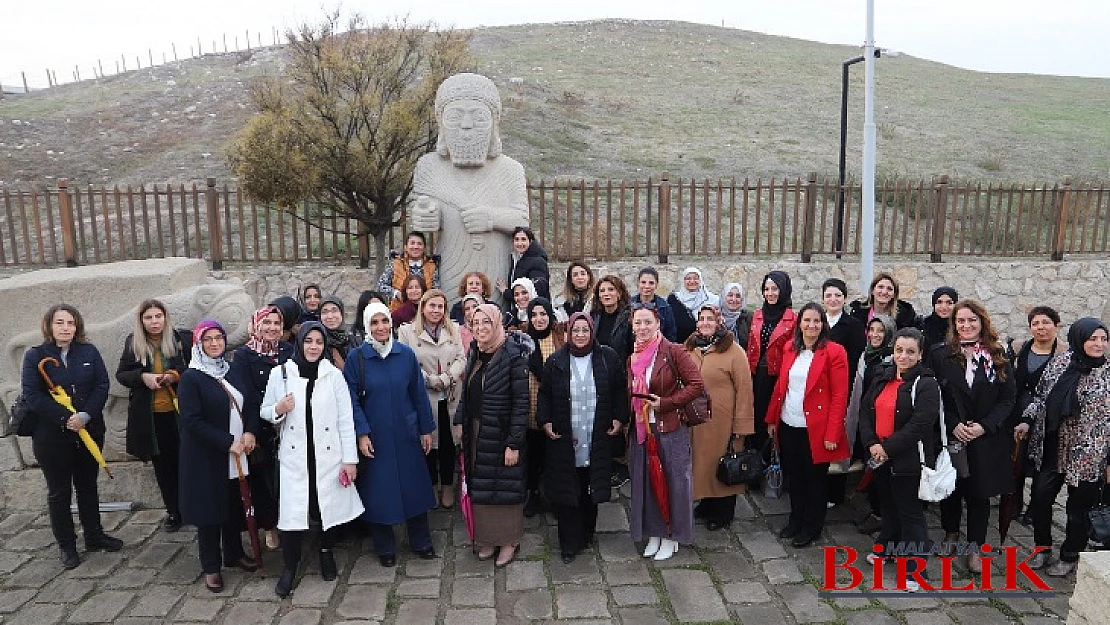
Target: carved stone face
(467,126)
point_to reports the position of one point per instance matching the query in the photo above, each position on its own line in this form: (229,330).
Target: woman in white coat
(308,400)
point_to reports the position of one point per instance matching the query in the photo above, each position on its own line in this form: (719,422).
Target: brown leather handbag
(698,411)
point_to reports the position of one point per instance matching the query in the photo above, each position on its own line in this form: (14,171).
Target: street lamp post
(843,149)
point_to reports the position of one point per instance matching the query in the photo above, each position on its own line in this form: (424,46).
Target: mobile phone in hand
(344,479)
(643,396)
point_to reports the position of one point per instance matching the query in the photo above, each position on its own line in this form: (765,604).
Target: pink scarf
(258,344)
(642,356)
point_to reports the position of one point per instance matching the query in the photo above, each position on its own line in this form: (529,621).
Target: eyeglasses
(580,331)
(219,338)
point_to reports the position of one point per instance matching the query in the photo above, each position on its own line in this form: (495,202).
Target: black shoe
(388,560)
(532,504)
(804,540)
(327,566)
(619,476)
(428,553)
(789,531)
(70,559)
(568,557)
(870,524)
(103,542)
(172,523)
(1026,518)
(284,584)
(713,526)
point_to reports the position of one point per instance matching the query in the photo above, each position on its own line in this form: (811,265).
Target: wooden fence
(602,220)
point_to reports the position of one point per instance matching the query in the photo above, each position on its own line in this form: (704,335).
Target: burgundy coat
(825,402)
(664,384)
(780,336)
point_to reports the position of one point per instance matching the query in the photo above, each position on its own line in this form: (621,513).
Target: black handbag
(22,419)
(1100,521)
(736,468)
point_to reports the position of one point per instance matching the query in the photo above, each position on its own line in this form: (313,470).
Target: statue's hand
(424,214)
(477,219)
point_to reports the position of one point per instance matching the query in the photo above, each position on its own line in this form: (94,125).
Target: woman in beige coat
(438,346)
(728,378)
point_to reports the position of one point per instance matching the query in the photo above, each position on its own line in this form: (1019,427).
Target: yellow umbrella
(60,395)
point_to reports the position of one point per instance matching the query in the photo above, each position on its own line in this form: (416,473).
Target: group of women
(330,424)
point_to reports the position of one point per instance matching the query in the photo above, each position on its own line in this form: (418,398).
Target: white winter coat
(333,432)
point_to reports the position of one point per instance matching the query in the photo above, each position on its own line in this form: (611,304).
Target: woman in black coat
(65,463)
(882,299)
(251,364)
(581,404)
(976,416)
(215,431)
(529,261)
(490,424)
(151,368)
(847,332)
(899,411)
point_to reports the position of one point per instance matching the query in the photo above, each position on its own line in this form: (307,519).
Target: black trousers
(210,538)
(807,483)
(903,513)
(837,485)
(1046,485)
(292,543)
(442,460)
(419,530)
(69,467)
(536,441)
(978,513)
(720,510)
(577,523)
(166,460)
(263,478)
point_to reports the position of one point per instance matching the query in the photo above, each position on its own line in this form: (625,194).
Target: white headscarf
(378,308)
(730,316)
(693,300)
(527,283)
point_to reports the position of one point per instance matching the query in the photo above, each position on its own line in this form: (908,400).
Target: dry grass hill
(620,99)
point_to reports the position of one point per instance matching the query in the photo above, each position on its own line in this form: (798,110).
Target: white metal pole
(867,235)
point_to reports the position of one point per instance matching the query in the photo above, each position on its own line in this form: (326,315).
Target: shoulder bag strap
(943,434)
(234,402)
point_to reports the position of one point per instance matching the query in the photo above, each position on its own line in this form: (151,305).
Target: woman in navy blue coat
(66,464)
(394,425)
(214,429)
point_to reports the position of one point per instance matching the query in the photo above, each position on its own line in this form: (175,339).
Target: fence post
(363,245)
(940,210)
(215,238)
(1061,203)
(69,232)
(810,220)
(664,217)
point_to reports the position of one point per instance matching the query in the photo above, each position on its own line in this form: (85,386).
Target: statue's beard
(468,151)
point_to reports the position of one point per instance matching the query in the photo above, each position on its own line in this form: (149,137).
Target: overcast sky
(1065,37)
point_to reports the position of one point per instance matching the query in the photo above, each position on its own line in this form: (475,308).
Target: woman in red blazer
(807,413)
(772,327)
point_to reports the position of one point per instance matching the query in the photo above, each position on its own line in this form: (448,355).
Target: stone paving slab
(693,596)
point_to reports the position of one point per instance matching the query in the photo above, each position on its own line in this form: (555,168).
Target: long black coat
(140,424)
(848,333)
(84,378)
(907,316)
(532,265)
(205,438)
(915,419)
(502,423)
(988,404)
(560,479)
(620,339)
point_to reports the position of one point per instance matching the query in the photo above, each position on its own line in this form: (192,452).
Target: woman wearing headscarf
(290,312)
(724,367)
(737,318)
(516,310)
(548,335)
(877,355)
(581,405)
(978,389)
(251,364)
(662,379)
(938,323)
(847,332)
(216,436)
(67,466)
(394,423)
(439,348)
(687,300)
(154,357)
(490,424)
(310,298)
(772,329)
(308,400)
(358,332)
(578,290)
(339,340)
(1069,441)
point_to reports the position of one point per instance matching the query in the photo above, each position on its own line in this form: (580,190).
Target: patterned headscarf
(216,367)
(257,344)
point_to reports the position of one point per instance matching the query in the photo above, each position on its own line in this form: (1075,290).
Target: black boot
(102,541)
(284,584)
(532,504)
(70,559)
(327,566)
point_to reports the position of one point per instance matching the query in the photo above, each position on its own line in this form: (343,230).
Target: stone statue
(467,190)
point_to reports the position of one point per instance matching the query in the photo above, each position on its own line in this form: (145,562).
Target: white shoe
(829,505)
(652,547)
(873,558)
(667,549)
(912,586)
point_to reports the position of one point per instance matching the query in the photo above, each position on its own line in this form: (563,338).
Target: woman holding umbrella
(581,404)
(662,379)
(153,359)
(66,464)
(308,400)
(215,436)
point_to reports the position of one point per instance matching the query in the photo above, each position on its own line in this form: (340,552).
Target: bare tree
(346,121)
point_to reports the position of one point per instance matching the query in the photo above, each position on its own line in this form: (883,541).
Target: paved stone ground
(743,575)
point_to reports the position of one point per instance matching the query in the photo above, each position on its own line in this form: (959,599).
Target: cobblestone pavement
(743,575)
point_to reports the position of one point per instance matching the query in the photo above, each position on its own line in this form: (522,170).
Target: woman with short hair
(472,283)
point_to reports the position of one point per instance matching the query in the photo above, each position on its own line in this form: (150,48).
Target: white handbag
(936,484)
